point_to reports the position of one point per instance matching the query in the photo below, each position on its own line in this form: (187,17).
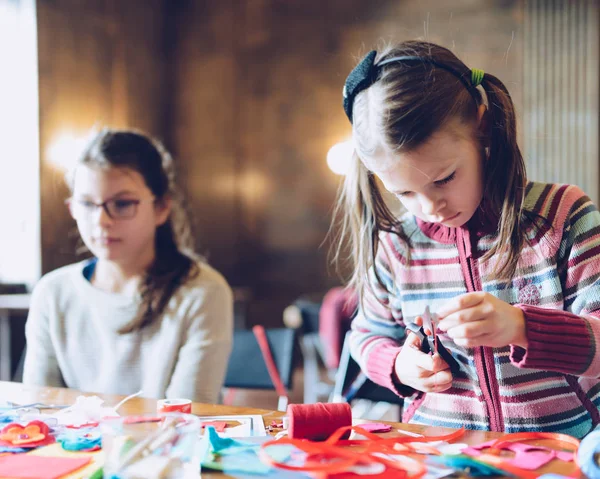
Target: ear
(162,210)
(484,125)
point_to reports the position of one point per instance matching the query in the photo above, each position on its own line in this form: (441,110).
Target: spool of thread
(589,454)
(317,421)
(174,405)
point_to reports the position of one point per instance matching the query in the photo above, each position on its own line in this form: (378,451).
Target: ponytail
(505,180)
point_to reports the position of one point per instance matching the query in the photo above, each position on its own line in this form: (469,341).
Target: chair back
(351,383)
(247,368)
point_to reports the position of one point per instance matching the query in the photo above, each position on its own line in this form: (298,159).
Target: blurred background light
(340,156)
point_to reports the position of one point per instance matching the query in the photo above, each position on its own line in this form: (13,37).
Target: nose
(430,206)
(101,217)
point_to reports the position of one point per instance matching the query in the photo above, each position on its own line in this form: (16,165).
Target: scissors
(430,344)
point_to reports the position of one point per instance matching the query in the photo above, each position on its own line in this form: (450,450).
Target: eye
(404,194)
(446,180)
(124,204)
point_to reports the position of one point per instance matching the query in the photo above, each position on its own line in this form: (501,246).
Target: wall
(258,104)
(101,62)
(247,94)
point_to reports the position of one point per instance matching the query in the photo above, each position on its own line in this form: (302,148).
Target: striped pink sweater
(553,385)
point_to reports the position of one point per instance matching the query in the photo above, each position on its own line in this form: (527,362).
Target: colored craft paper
(34,434)
(80,441)
(218,425)
(232,456)
(26,466)
(376,427)
(462,462)
(527,456)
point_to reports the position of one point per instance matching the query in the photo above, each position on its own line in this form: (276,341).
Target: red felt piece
(26,466)
(388,473)
(218,425)
(376,427)
(34,434)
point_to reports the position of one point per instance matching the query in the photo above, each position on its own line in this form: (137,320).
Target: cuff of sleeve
(380,369)
(557,341)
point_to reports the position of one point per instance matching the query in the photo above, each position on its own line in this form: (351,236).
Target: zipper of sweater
(496,423)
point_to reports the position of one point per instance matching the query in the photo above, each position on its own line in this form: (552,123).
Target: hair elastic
(476,76)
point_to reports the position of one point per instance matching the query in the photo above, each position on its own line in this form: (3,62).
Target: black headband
(366,73)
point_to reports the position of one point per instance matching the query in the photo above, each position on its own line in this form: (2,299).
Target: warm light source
(65,149)
(339,157)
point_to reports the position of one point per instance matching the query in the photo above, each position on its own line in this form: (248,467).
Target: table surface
(21,394)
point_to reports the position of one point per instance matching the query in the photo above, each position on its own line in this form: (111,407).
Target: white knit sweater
(72,338)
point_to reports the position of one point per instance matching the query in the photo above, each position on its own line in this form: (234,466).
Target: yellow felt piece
(56,450)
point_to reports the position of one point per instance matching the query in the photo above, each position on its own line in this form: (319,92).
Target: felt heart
(34,434)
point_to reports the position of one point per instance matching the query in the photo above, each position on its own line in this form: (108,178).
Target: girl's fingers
(471,330)
(437,382)
(461,302)
(464,316)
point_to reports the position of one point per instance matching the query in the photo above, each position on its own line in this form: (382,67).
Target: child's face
(127,238)
(441,181)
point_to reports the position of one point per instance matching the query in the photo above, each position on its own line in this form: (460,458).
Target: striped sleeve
(377,330)
(566,341)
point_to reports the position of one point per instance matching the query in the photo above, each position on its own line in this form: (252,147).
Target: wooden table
(19,393)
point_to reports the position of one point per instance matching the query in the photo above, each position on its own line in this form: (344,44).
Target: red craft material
(219,426)
(376,427)
(329,458)
(32,435)
(317,421)
(174,405)
(26,466)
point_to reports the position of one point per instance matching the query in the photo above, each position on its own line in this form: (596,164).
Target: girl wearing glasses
(144,312)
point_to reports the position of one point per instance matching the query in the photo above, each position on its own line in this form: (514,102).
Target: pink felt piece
(376,427)
(526,456)
(388,473)
(218,425)
(26,466)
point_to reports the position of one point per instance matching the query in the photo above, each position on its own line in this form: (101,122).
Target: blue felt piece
(76,440)
(240,458)
(12,449)
(462,462)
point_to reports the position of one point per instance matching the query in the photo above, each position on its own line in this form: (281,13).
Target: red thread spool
(317,421)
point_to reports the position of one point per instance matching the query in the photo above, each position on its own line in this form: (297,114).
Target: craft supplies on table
(235,444)
(251,425)
(151,447)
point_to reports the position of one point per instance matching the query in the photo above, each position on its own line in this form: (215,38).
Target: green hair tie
(476,76)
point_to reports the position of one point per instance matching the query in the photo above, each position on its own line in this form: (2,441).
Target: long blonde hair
(406,104)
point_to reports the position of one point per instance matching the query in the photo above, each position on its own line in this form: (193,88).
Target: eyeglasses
(116,209)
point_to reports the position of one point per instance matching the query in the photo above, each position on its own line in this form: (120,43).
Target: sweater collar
(482,223)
